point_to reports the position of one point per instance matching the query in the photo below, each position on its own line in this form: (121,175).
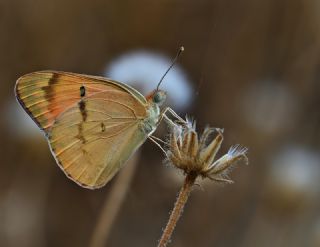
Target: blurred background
(250,67)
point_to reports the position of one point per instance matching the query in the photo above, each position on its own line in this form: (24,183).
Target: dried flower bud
(195,155)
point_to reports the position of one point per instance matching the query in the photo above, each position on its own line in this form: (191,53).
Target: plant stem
(177,210)
(113,202)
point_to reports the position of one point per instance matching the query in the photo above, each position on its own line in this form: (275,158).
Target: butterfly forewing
(46,94)
(93,125)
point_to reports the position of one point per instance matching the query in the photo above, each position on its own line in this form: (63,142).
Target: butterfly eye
(159,97)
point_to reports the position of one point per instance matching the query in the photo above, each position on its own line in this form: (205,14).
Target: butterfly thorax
(155,100)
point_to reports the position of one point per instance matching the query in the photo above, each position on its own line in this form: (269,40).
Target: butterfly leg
(168,120)
(154,140)
(158,139)
(173,113)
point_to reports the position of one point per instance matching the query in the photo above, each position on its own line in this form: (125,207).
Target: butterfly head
(157,97)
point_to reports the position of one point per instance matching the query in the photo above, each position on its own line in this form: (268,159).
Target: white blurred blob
(295,172)
(19,123)
(143,70)
(270,106)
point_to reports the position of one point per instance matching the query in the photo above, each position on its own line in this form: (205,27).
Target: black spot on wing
(83,110)
(82,91)
(80,133)
(103,127)
(84,114)
(48,89)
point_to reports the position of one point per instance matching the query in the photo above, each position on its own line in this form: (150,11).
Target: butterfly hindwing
(91,151)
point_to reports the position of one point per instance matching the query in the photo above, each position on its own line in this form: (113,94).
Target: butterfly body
(93,124)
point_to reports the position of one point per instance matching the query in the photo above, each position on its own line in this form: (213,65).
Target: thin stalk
(177,210)
(113,203)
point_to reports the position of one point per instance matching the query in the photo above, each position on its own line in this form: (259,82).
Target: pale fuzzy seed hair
(237,150)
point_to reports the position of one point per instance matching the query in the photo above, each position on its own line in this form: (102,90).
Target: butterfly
(93,124)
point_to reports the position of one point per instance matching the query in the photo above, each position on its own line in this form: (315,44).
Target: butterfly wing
(90,152)
(46,94)
(93,124)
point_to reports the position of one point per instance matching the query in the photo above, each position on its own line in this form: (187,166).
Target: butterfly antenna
(181,49)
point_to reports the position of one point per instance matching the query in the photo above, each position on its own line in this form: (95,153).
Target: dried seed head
(196,155)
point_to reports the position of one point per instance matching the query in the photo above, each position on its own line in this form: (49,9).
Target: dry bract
(195,155)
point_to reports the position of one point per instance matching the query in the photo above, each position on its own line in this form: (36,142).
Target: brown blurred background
(254,68)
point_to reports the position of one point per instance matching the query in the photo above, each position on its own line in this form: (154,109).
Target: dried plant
(195,156)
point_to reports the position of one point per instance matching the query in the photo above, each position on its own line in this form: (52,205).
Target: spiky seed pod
(195,155)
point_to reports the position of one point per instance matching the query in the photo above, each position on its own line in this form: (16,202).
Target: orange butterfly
(93,124)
